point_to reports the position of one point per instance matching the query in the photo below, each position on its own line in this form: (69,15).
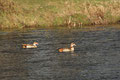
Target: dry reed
(68,13)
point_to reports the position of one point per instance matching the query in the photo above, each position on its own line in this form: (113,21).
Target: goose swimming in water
(68,49)
(34,45)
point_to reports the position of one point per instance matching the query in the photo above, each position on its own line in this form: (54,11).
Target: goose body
(34,45)
(68,49)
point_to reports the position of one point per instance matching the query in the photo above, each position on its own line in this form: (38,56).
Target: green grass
(37,13)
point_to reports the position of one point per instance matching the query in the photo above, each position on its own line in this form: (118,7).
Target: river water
(96,56)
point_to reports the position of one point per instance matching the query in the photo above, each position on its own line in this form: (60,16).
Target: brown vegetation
(55,13)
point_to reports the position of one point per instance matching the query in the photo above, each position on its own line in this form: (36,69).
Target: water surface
(96,56)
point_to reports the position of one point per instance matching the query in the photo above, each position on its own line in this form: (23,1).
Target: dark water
(96,56)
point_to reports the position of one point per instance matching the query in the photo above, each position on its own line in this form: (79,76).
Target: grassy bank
(33,13)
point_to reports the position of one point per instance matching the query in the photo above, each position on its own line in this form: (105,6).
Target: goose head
(35,43)
(73,44)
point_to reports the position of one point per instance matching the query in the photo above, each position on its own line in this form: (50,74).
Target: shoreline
(69,13)
(82,28)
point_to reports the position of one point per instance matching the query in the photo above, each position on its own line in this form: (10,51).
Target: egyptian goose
(68,49)
(34,45)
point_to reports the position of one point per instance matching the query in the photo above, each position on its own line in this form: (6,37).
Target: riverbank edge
(65,14)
